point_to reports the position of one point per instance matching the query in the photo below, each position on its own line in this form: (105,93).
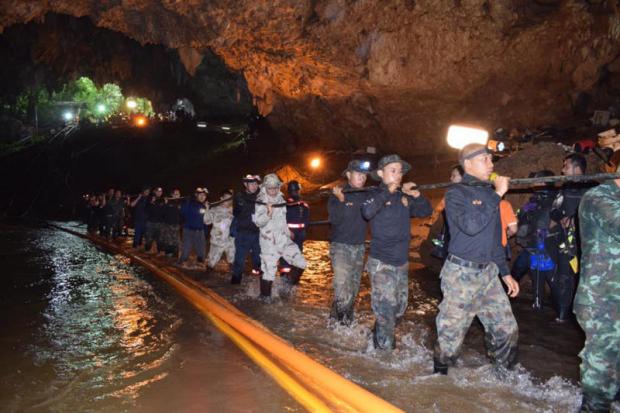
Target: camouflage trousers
(468,293)
(390,292)
(153,233)
(271,253)
(600,357)
(348,264)
(170,238)
(216,250)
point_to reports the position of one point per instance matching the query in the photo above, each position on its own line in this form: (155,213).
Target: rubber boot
(235,279)
(564,314)
(295,275)
(439,367)
(344,317)
(265,288)
(564,297)
(384,342)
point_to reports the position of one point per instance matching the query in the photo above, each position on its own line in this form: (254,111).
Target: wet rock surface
(350,73)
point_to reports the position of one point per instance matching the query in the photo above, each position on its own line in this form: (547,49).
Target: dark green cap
(386,160)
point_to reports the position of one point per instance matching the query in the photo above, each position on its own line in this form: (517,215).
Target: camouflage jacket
(273,229)
(220,216)
(599,221)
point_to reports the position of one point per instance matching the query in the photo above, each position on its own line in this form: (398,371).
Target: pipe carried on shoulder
(514,181)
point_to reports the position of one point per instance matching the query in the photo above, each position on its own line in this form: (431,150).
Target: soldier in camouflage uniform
(221,242)
(389,209)
(275,237)
(597,303)
(469,281)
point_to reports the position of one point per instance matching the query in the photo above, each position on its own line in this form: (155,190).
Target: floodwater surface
(84,330)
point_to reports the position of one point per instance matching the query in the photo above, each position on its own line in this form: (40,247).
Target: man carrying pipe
(469,281)
(275,237)
(244,230)
(389,210)
(348,232)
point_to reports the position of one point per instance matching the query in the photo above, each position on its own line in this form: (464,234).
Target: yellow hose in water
(285,380)
(340,393)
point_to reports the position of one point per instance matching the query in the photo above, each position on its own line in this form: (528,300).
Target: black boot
(344,317)
(235,279)
(384,342)
(439,367)
(563,315)
(265,288)
(295,275)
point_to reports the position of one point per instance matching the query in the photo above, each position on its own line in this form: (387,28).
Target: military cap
(386,160)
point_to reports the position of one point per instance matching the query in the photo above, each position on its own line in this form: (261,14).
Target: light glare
(315,162)
(459,136)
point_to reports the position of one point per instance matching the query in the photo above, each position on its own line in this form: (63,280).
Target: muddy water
(83,330)
(544,381)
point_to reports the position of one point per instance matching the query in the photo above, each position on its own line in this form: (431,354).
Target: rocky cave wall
(390,73)
(60,48)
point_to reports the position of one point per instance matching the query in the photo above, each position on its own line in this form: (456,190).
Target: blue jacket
(139,211)
(390,223)
(193,215)
(348,224)
(243,208)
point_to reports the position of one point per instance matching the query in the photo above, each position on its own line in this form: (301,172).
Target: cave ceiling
(389,73)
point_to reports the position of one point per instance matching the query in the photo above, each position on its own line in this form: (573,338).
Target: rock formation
(391,73)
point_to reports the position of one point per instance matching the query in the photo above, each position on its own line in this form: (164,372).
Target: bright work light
(140,121)
(315,162)
(132,104)
(101,108)
(459,136)
(68,115)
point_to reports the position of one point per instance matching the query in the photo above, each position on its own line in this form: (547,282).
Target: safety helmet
(293,186)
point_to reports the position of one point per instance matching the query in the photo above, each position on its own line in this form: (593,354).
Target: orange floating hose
(334,388)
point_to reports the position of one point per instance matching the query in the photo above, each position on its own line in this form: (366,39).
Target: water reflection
(99,327)
(101,336)
(89,332)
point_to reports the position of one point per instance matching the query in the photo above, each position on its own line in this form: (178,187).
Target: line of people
(476,252)
(237,225)
(259,221)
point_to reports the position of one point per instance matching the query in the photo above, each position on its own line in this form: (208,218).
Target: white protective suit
(221,242)
(275,237)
